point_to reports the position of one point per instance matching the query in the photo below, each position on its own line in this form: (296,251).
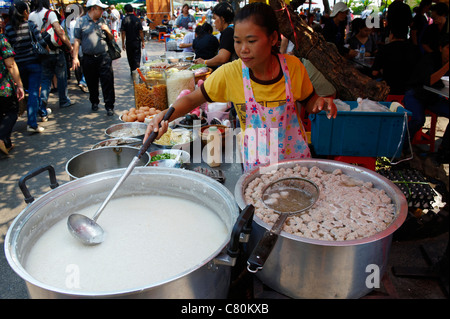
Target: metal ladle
(86,229)
(286,197)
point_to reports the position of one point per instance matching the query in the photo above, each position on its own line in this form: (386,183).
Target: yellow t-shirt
(226,85)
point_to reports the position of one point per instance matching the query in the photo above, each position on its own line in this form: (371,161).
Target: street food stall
(189,221)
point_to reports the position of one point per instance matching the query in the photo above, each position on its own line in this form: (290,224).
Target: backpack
(49,35)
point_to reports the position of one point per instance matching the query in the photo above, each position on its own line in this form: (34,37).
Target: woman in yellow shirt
(264,87)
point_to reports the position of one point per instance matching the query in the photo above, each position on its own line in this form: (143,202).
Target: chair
(161,37)
(420,137)
(429,137)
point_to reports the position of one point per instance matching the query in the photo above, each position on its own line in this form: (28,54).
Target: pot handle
(264,247)
(53,183)
(242,225)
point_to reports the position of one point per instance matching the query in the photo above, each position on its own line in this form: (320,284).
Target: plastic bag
(366,105)
(144,57)
(341,106)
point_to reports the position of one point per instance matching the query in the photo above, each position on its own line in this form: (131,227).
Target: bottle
(362,52)
(213,147)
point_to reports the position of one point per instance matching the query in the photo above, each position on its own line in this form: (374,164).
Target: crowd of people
(31,76)
(408,47)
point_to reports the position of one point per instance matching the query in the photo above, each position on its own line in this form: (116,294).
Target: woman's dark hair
(425,3)
(207,28)
(224,10)
(199,31)
(37,5)
(16,13)
(357,24)
(440,8)
(203,29)
(261,14)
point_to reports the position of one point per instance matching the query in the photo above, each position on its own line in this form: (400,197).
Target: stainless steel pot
(210,278)
(103,159)
(309,268)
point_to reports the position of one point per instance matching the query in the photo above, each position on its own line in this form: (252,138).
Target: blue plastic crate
(366,134)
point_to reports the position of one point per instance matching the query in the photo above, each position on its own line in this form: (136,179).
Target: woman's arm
(436,76)
(182,106)
(223,56)
(14,70)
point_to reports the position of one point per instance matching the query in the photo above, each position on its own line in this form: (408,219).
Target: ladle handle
(264,247)
(154,134)
(133,163)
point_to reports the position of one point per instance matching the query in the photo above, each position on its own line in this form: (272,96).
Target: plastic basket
(366,134)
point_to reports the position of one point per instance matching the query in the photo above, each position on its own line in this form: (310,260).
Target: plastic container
(367,134)
(177,82)
(362,52)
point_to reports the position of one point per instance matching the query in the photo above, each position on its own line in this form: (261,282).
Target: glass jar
(177,82)
(153,92)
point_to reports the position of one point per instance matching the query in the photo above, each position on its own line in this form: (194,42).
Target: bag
(114,50)
(38,49)
(50,36)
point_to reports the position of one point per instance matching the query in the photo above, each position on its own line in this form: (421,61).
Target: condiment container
(214,147)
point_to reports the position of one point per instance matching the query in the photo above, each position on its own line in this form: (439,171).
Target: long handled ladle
(287,197)
(86,229)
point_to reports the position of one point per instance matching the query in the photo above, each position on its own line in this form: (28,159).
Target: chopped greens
(162,156)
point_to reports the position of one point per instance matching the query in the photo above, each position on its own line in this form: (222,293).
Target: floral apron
(271,133)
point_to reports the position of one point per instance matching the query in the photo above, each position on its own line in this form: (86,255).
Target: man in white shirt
(55,62)
(115,18)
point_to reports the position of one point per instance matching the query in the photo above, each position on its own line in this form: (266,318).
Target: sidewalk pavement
(71,131)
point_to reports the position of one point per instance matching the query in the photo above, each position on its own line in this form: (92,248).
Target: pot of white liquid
(170,233)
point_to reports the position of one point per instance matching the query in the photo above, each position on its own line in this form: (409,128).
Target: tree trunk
(348,81)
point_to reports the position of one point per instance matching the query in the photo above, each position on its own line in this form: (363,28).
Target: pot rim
(400,200)
(100,149)
(23,217)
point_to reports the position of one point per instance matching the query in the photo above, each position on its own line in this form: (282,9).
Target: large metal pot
(310,268)
(103,159)
(208,279)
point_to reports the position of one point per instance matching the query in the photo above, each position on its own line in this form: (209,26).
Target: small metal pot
(103,159)
(309,268)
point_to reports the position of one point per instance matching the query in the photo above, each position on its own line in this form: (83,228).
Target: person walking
(115,18)
(19,32)
(91,32)
(132,35)
(70,25)
(10,94)
(55,62)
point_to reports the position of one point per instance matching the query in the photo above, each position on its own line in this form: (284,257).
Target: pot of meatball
(340,247)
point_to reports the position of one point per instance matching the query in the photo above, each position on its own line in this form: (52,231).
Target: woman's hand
(199,61)
(319,103)
(153,126)
(20,93)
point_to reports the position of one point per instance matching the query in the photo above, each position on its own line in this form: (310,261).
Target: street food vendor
(264,86)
